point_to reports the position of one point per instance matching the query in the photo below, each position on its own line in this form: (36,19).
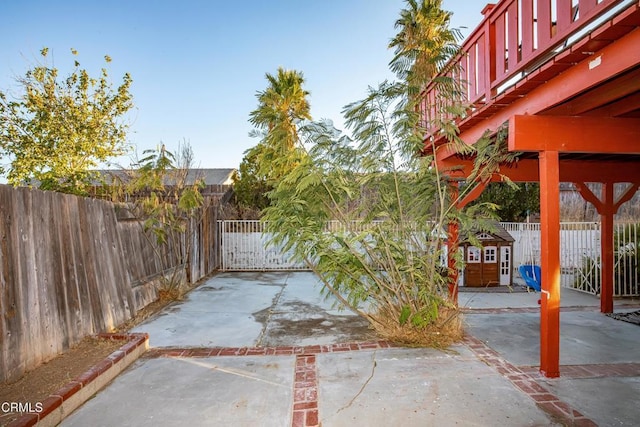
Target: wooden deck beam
(574,134)
(527,170)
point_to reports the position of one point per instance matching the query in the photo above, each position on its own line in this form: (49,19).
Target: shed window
(473,254)
(490,254)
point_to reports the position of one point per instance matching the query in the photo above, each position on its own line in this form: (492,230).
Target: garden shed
(489,265)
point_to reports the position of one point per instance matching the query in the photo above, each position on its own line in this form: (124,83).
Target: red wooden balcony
(522,44)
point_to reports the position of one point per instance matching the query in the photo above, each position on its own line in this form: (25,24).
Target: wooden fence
(72,267)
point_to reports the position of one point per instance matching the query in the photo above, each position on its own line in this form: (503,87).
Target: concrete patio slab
(218,313)
(586,337)
(608,401)
(419,387)
(195,392)
(267,349)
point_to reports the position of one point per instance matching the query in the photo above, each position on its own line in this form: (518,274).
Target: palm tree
(424,42)
(282,108)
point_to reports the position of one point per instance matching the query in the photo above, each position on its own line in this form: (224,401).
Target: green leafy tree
(423,45)
(58,129)
(384,259)
(249,186)
(282,109)
(514,201)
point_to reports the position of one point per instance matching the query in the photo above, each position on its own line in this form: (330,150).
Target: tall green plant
(386,260)
(249,185)
(282,107)
(423,45)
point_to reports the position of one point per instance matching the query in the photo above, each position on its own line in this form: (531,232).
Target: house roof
(213,176)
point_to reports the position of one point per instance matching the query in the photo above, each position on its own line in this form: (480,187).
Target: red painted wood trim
(471,72)
(513,40)
(606,249)
(550,263)
(500,47)
(453,239)
(585,6)
(574,134)
(544,23)
(564,16)
(527,27)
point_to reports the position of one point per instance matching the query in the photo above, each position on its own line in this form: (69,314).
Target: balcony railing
(515,38)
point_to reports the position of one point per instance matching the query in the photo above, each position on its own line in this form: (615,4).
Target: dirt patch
(38,384)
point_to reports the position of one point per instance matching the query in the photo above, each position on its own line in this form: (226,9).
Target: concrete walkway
(266,349)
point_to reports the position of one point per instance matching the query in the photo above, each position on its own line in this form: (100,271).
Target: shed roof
(498,232)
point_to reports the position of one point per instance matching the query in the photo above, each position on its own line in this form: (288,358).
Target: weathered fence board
(71,267)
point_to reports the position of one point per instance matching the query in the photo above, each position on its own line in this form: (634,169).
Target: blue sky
(197,64)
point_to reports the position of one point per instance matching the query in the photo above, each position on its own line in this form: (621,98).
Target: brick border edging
(265,351)
(68,398)
(305,411)
(527,384)
(594,370)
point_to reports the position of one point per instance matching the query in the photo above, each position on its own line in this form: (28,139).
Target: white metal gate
(244,247)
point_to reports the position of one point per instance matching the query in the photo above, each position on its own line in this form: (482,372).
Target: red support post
(550,263)
(607,208)
(453,237)
(606,247)
(452,248)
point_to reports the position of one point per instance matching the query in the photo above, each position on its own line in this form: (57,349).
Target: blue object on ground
(531,275)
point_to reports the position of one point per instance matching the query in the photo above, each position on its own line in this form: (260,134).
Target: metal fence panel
(580,254)
(244,248)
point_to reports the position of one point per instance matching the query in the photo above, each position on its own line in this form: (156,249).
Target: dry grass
(170,294)
(447,329)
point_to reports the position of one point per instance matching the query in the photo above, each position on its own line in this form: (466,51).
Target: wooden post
(452,248)
(607,208)
(550,263)
(606,248)
(453,237)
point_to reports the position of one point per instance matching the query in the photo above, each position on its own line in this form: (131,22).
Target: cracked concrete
(257,309)
(296,322)
(359,386)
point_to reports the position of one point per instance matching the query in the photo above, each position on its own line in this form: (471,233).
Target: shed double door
(482,268)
